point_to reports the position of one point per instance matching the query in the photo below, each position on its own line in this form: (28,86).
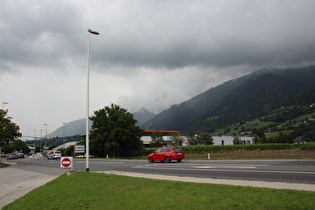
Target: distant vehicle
(3,155)
(83,156)
(11,156)
(21,155)
(54,155)
(166,154)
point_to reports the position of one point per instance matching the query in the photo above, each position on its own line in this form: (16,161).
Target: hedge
(204,149)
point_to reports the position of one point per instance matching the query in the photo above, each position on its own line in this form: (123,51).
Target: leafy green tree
(305,131)
(191,137)
(69,151)
(258,136)
(177,140)
(63,151)
(237,140)
(9,131)
(205,138)
(256,139)
(114,132)
(157,139)
(281,138)
(52,146)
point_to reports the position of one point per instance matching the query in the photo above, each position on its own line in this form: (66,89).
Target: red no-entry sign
(66,162)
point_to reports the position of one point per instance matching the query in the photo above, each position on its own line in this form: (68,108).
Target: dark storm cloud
(35,34)
(268,33)
(149,53)
(159,34)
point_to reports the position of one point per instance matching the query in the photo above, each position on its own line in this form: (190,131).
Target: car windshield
(177,150)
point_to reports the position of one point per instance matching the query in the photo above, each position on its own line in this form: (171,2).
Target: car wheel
(179,160)
(150,159)
(167,160)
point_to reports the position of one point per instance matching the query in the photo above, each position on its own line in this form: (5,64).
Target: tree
(177,140)
(191,137)
(52,146)
(205,138)
(237,140)
(9,131)
(114,132)
(20,145)
(157,139)
(258,136)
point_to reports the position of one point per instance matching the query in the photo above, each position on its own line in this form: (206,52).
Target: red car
(167,154)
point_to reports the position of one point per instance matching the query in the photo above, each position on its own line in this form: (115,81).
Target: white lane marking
(223,167)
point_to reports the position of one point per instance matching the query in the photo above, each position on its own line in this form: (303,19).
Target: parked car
(84,156)
(166,154)
(54,155)
(11,156)
(3,155)
(21,155)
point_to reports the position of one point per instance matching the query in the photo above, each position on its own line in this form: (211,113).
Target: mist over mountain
(73,128)
(240,99)
(143,116)
(77,127)
(234,101)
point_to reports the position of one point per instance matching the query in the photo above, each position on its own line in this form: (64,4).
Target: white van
(54,155)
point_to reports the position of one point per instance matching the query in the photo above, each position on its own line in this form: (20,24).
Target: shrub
(308,146)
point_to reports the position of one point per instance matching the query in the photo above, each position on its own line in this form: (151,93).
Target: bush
(236,148)
(204,149)
(308,146)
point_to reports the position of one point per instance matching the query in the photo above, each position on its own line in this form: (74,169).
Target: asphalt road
(27,174)
(290,171)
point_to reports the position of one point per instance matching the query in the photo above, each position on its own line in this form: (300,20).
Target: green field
(86,190)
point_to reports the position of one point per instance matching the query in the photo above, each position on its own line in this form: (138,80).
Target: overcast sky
(149,54)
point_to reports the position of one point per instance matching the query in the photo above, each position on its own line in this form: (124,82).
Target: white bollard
(106,156)
(208,156)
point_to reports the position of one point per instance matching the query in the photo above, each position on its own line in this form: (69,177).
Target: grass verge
(3,164)
(102,191)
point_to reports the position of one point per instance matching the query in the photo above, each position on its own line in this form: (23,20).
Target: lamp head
(93,32)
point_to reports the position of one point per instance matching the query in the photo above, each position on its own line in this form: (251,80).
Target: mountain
(73,128)
(143,116)
(77,127)
(239,100)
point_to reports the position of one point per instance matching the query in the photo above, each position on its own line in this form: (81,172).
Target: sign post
(79,149)
(66,162)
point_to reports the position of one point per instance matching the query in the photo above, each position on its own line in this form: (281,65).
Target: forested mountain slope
(239,100)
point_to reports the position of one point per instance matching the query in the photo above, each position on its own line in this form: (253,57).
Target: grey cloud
(150,54)
(160,34)
(267,35)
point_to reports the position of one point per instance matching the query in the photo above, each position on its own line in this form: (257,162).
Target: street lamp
(34,142)
(3,103)
(87,99)
(41,140)
(64,134)
(46,141)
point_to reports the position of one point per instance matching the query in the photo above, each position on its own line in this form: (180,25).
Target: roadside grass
(3,164)
(86,190)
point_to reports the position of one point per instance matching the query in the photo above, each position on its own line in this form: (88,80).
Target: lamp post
(87,99)
(46,141)
(3,103)
(34,142)
(41,140)
(64,134)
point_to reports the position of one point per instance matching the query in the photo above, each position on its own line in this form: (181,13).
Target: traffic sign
(66,162)
(79,149)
